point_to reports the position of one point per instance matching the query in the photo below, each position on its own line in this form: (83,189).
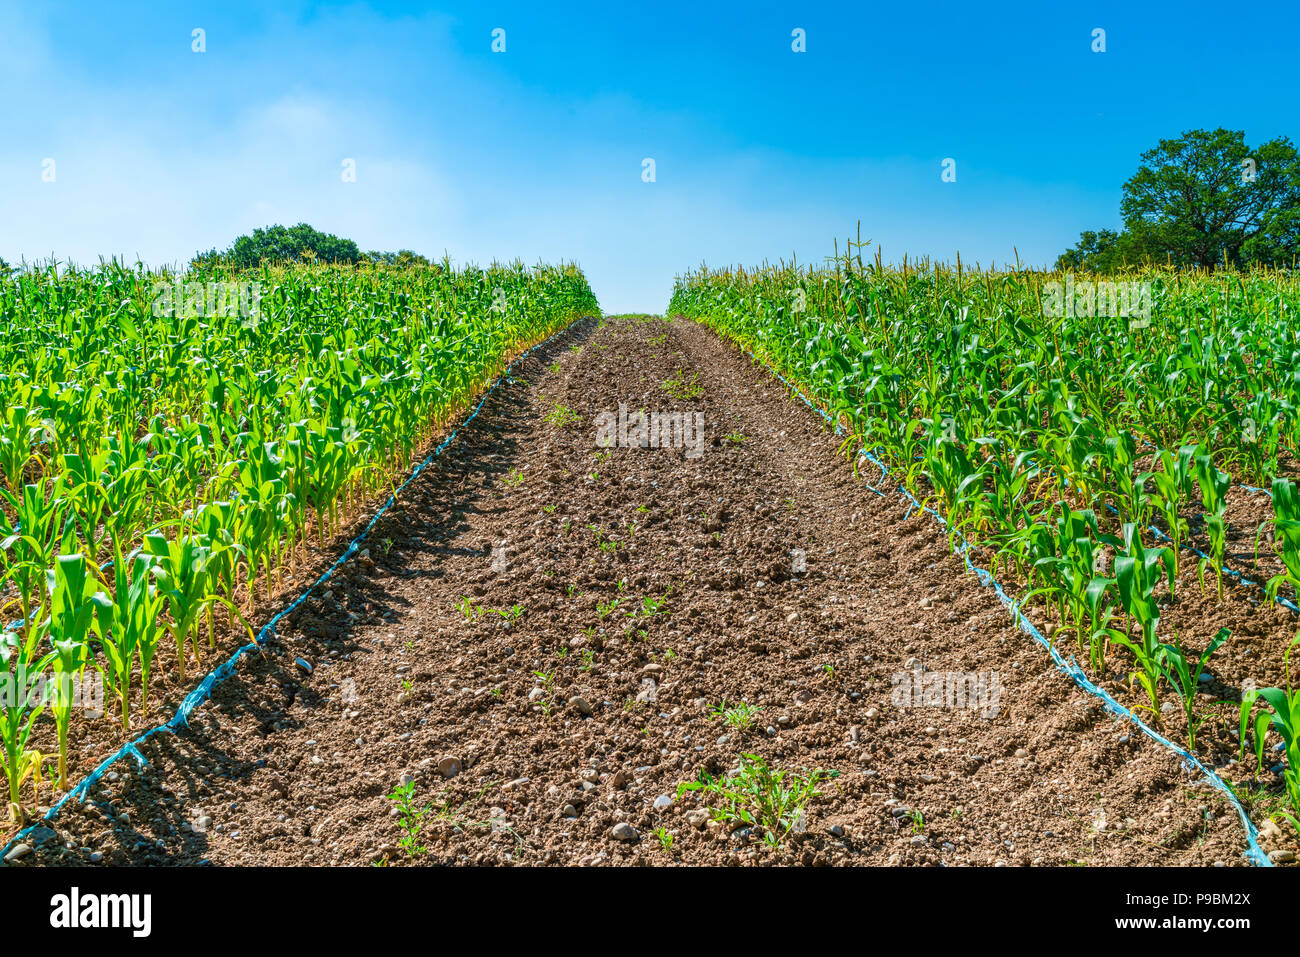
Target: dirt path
(784,584)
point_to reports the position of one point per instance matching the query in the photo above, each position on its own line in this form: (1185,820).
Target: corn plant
(73,595)
(1136,575)
(20,705)
(1177,669)
(1174,483)
(130,626)
(1072,571)
(30,544)
(1283,716)
(1133,502)
(1286,524)
(1214,489)
(19,432)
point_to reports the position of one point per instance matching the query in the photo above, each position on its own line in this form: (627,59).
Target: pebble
(449,767)
(1281,857)
(1021,753)
(18,853)
(303,664)
(622,831)
(581,703)
(663,801)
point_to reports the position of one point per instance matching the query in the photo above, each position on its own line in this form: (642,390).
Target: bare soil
(521,573)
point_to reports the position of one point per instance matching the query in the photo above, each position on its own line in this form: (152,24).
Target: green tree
(1096,251)
(283,244)
(1207,196)
(1203,199)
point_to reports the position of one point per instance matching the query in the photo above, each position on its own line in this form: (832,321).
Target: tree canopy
(283,244)
(1204,199)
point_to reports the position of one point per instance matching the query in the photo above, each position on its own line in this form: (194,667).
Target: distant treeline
(301,243)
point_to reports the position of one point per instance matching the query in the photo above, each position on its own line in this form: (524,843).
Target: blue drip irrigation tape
(1071,668)
(200,694)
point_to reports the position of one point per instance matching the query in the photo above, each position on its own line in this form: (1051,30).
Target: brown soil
(286,766)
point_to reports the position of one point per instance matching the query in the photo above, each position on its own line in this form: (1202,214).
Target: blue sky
(760,152)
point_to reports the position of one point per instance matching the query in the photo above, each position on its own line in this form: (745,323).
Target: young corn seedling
(1178,672)
(180,567)
(1074,575)
(74,600)
(1137,574)
(1173,485)
(20,706)
(1286,523)
(1133,503)
(1283,716)
(130,625)
(19,433)
(29,545)
(1214,488)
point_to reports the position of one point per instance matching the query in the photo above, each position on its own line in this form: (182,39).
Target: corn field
(162,468)
(1078,431)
